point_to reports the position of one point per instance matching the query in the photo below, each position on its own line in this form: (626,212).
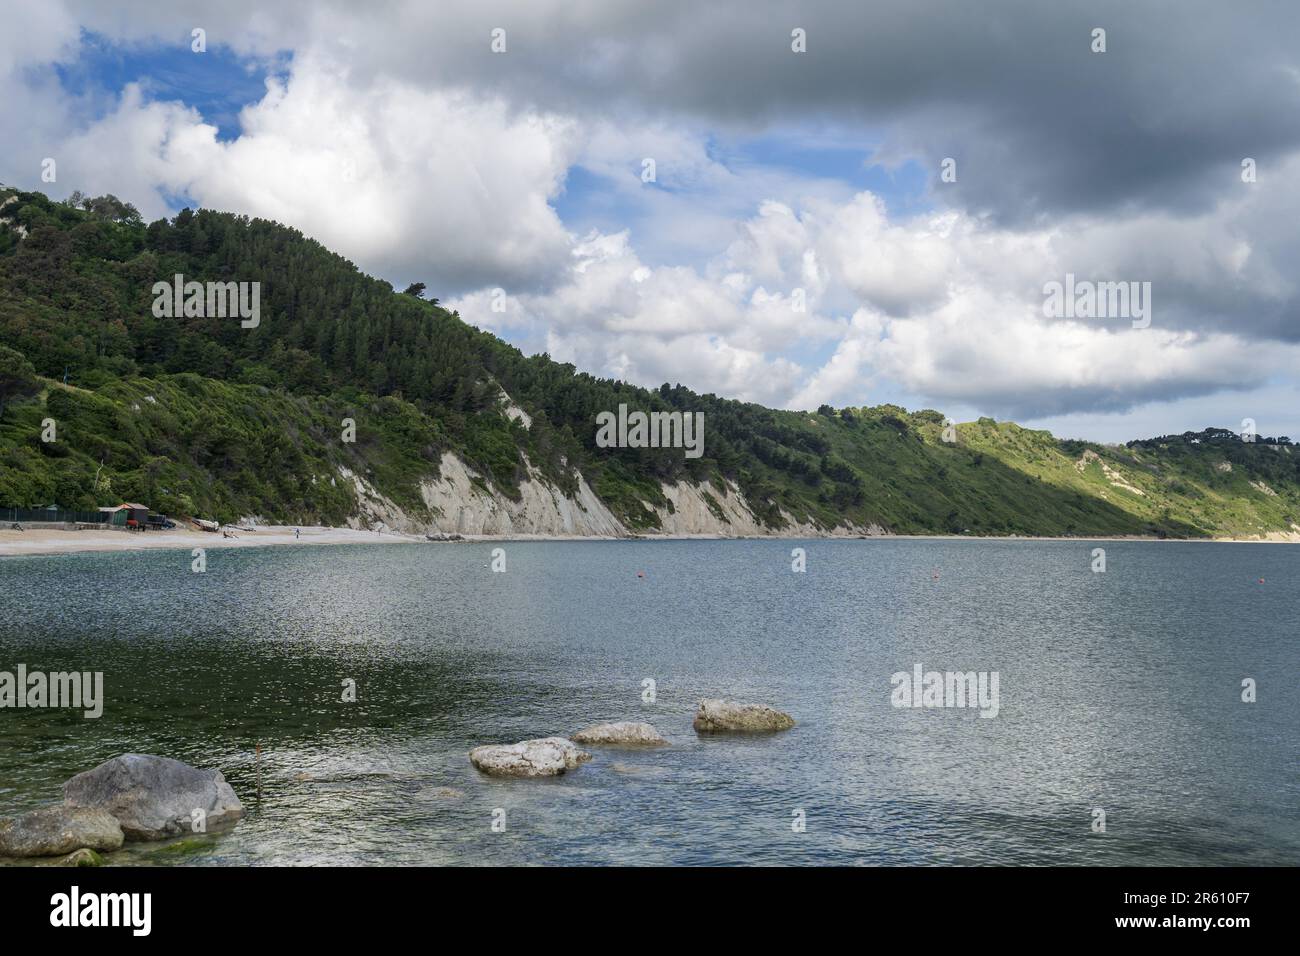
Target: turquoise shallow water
(1119,690)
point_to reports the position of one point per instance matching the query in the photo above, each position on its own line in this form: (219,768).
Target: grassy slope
(239,440)
(187,445)
(207,447)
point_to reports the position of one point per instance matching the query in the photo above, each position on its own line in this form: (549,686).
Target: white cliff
(460,501)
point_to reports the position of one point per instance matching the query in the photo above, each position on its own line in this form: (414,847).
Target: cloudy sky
(397,136)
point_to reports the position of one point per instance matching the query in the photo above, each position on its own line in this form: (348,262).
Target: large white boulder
(728,716)
(544,757)
(623,733)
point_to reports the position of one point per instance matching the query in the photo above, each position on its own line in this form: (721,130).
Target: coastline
(42,541)
(50,541)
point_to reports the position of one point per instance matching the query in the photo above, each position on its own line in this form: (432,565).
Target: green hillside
(199,416)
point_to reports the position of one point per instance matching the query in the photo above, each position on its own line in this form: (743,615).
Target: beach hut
(127,515)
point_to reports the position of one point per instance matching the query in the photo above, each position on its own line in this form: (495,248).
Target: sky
(845,203)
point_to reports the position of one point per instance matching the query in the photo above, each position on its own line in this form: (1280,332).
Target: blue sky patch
(216,82)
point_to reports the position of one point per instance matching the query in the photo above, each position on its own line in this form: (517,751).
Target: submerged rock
(154,798)
(625,733)
(545,757)
(729,716)
(55,831)
(82,857)
(637,770)
(185,845)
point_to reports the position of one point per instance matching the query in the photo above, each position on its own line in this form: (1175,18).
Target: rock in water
(154,798)
(546,757)
(55,831)
(624,733)
(729,716)
(82,857)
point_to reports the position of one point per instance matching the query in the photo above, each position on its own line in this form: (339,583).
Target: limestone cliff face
(460,505)
(704,509)
(463,505)
(462,502)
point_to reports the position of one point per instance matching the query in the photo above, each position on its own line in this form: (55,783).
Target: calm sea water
(1119,690)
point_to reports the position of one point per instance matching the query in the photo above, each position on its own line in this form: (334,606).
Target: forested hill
(201,416)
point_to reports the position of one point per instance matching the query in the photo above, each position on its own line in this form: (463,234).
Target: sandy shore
(42,541)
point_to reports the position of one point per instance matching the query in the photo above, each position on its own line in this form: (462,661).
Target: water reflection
(1118,690)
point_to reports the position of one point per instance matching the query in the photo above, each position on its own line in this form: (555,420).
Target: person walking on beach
(295,534)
